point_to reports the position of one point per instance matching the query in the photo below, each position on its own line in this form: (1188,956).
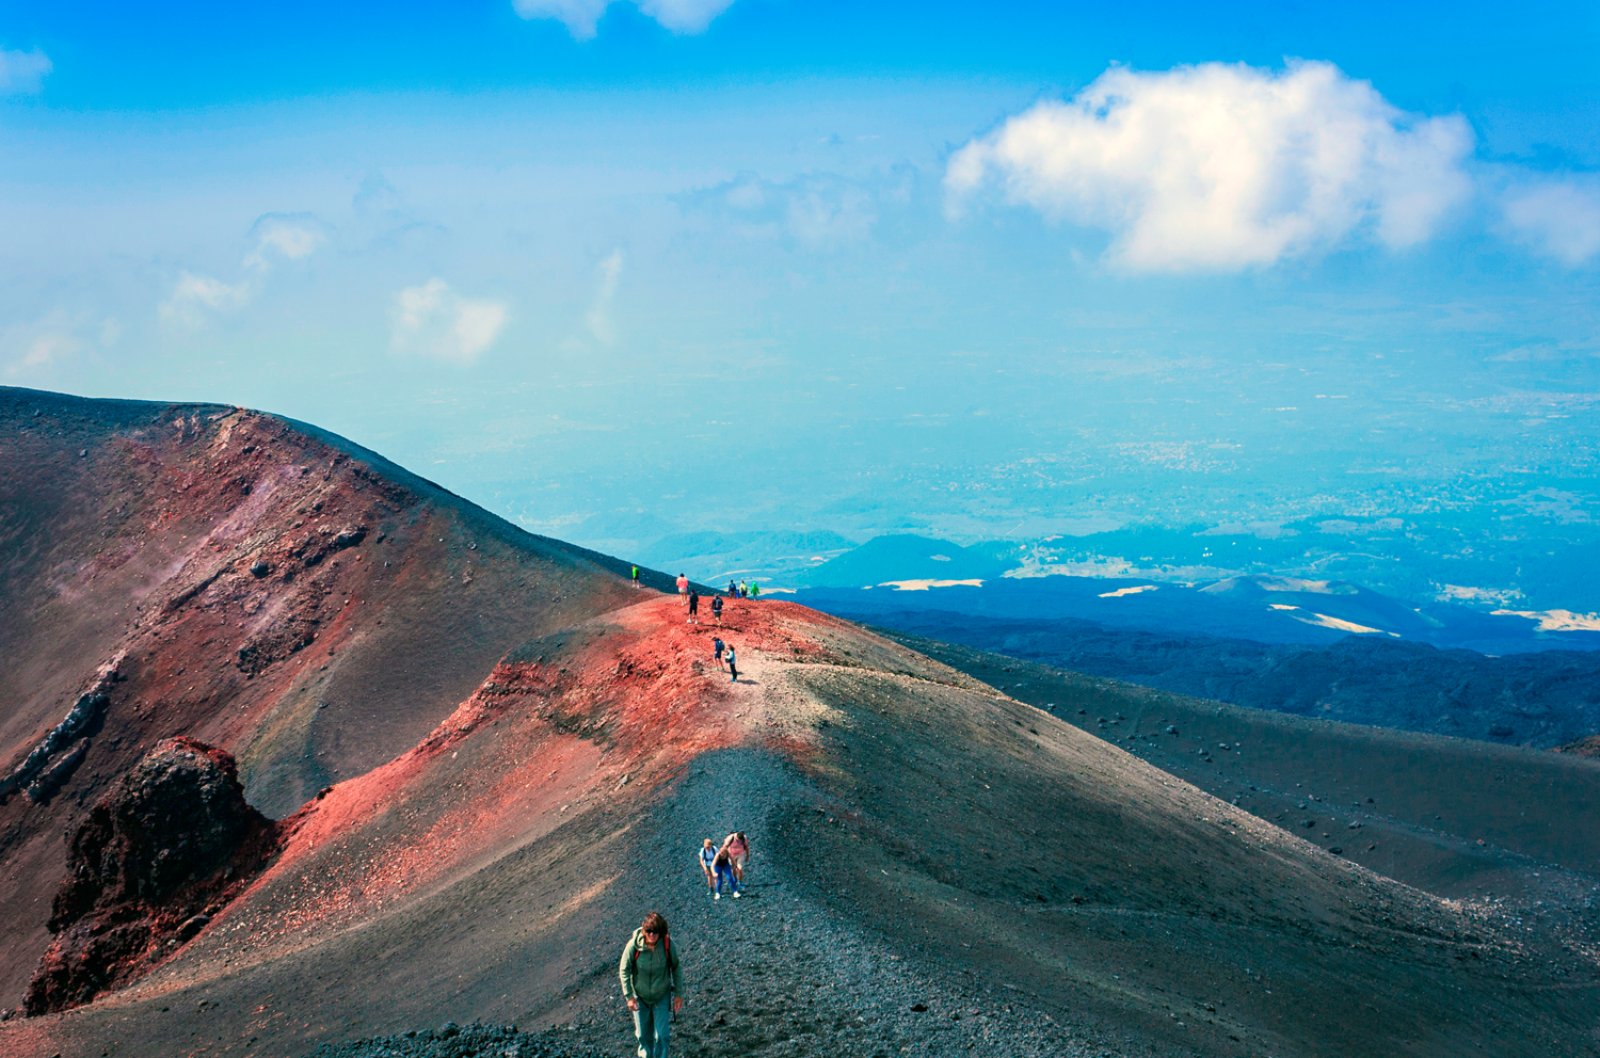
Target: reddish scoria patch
(639,699)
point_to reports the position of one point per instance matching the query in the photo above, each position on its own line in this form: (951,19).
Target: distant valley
(1320,648)
(300,749)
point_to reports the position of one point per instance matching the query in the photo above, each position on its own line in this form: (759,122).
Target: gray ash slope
(777,973)
(946,869)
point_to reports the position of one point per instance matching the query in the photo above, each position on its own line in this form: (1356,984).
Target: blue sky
(614,270)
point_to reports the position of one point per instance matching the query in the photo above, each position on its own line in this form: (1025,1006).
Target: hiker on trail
(635,576)
(694,607)
(733,665)
(708,857)
(755,590)
(738,852)
(652,984)
(733,590)
(716,608)
(716,654)
(744,590)
(683,585)
(722,863)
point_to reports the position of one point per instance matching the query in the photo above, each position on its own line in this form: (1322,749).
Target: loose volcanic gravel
(778,973)
(462,1041)
(775,974)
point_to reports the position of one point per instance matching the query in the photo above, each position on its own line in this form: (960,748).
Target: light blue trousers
(652,1024)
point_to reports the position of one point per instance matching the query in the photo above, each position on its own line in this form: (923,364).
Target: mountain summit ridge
(487,755)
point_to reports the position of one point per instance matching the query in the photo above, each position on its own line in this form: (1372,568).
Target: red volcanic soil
(486,756)
(237,578)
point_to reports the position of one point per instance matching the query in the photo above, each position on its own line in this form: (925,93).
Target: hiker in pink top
(683,587)
(738,852)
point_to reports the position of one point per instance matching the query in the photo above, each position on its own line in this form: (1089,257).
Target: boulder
(158,855)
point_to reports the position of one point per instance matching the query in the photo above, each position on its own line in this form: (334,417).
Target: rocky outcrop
(156,858)
(1583,747)
(64,746)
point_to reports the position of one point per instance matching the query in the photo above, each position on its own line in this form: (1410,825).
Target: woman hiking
(733,665)
(707,859)
(722,864)
(738,852)
(652,984)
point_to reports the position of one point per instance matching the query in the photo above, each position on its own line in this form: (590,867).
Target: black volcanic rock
(172,841)
(472,1041)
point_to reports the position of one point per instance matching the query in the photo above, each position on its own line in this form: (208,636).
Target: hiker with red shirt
(683,587)
(652,984)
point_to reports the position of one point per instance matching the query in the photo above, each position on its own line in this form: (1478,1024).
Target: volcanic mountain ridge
(487,755)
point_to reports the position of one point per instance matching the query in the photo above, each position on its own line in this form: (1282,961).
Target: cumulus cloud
(599,317)
(276,237)
(684,16)
(1222,167)
(287,237)
(432,320)
(194,296)
(1557,218)
(581,17)
(23,72)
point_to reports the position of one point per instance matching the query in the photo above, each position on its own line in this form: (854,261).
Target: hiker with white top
(707,858)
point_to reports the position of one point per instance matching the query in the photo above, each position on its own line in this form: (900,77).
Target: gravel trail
(781,972)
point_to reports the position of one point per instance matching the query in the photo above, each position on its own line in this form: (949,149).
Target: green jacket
(649,977)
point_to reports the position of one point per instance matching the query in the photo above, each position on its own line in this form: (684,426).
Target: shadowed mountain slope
(939,868)
(1502,829)
(1544,699)
(231,576)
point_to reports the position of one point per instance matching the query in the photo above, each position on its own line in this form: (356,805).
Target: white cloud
(34,350)
(817,210)
(1556,218)
(599,317)
(581,17)
(23,72)
(434,321)
(1222,167)
(44,351)
(193,296)
(684,16)
(48,348)
(283,237)
(278,237)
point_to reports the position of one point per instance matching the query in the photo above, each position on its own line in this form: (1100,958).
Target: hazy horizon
(619,271)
